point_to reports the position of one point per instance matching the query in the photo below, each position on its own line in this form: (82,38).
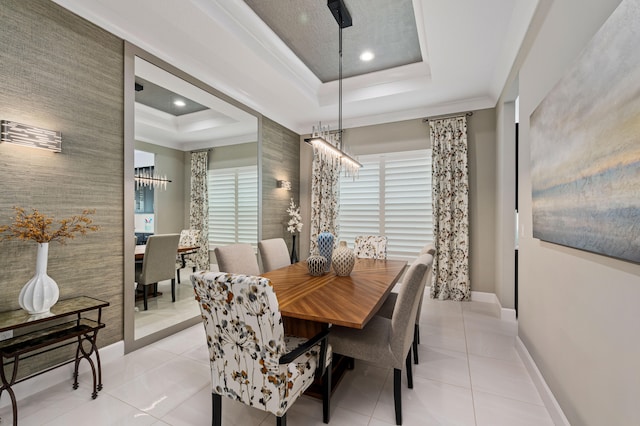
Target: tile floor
(469,374)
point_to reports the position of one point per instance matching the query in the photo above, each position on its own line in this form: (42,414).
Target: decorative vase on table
(294,253)
(316,264)
(343,260)
(325,248)
(41,292)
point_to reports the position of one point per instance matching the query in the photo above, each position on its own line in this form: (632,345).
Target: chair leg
(416,338)
(409,372)
(155,289)
(216,409)
(397,395)
(173,289)
(326,395)
(178,274)
(144,296)
(282,421)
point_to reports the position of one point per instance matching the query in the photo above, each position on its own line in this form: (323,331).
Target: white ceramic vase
(343,260)
(41,292)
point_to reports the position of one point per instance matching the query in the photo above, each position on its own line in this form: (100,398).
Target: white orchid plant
(295,220)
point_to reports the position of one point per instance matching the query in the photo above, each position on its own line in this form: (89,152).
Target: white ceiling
(470,46)
(219,124)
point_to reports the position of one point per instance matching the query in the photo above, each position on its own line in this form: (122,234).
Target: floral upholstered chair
(371,246)
(188,238)
(252,361)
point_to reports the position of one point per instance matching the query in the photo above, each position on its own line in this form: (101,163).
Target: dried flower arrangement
(295,220)
(39,228)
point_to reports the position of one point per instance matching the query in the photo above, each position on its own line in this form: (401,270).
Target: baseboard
(63,374)
(481,296)
(506,314)
(550,402)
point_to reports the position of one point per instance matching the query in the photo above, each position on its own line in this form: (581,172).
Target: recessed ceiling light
(179,103)
(367,55)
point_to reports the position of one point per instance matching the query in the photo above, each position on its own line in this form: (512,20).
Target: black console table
(67,324)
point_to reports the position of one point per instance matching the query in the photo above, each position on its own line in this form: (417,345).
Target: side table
(67,324)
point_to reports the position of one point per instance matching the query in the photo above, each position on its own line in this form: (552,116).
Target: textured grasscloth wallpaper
(62,73)
(280,161)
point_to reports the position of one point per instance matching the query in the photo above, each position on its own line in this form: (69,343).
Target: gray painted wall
(578,311)
(61,72)
(169,204)
(481,137)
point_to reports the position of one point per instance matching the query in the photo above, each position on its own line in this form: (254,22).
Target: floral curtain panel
(450,209)
(199,207)
(325,191)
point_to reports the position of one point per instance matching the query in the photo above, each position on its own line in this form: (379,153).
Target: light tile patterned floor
(469,374)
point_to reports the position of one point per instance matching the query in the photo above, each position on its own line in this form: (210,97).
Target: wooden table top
(347,301)
(181,249)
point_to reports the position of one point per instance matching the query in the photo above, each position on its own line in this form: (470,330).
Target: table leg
(6,385)
(81,353)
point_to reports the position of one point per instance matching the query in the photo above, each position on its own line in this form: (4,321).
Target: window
(233,206)
(392,197)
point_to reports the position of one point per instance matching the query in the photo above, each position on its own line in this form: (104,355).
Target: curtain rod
(468,114)
(202,150)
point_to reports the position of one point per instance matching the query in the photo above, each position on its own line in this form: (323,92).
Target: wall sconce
(284,184)
(33,137)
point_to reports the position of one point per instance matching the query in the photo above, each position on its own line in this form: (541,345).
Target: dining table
(310,304)
(140,248)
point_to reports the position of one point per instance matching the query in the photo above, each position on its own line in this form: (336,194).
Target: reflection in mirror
(172,119)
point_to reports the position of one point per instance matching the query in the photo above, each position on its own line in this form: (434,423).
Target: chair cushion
(369,344)
(293,342)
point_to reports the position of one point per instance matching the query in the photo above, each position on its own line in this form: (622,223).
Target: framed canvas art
(585,146)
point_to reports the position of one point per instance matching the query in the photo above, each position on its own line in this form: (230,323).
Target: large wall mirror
(168,116)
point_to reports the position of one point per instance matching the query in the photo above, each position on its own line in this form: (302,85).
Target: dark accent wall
(63,73)
(280,161)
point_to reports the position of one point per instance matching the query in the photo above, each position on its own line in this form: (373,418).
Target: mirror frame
(130,52)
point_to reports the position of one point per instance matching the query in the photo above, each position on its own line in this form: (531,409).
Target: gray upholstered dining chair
(237,259)
(386,310)
(252,360)
(274,254)
(188,238)
(370,246)
(387,341)
(159,264)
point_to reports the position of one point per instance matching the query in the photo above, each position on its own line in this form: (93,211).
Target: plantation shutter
(392,197)
(233,206)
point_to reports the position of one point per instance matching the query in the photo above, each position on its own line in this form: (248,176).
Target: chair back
(428,249)
(245,337)
(406,307)
(237,259)
(159,259)
(274,254)
(189,237)
(371,246)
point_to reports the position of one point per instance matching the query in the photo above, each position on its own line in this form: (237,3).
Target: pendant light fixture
(330,145)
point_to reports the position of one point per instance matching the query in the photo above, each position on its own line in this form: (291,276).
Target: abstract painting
(585,146)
